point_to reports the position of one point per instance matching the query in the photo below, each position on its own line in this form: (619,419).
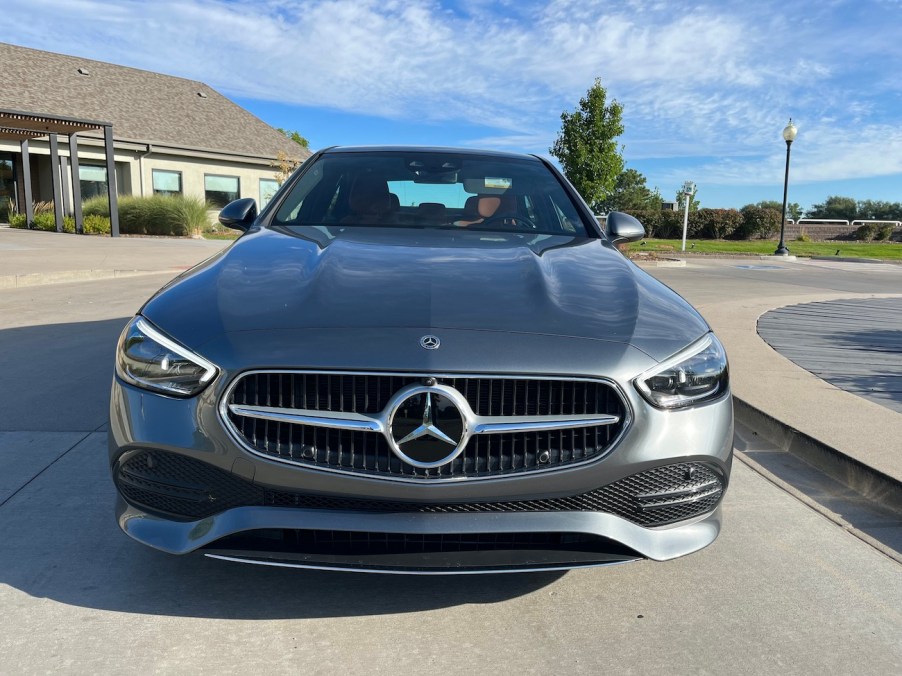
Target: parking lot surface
(783,590)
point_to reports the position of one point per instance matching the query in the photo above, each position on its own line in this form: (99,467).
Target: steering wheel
(517,221)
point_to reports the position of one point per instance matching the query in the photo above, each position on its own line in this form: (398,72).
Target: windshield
(431,190)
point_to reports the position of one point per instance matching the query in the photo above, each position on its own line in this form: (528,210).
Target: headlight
(148,359)
(698,373)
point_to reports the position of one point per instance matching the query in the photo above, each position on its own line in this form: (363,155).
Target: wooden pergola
(25,126)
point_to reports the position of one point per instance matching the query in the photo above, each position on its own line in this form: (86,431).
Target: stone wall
(822,232)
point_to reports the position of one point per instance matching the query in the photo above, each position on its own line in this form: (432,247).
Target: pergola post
(26,184)
(111,180)
(76,184)
(64,185)
(55,182)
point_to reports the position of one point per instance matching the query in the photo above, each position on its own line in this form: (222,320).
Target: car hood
(366,278)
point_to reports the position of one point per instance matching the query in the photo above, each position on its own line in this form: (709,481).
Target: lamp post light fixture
(688,191)
(789,135)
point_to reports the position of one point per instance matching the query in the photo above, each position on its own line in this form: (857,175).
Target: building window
(92,179)
(220,190)
(167,182)
(268,188)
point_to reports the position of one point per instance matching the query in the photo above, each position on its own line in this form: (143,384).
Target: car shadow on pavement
(60,540)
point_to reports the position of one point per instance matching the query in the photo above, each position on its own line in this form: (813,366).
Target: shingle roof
(141,105)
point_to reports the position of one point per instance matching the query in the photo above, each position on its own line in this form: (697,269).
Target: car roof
(431,149)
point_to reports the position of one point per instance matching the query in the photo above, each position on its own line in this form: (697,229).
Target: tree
(630,193)
(793,210)
(284,166)
(835,207)
(587,145)
(296,137)
(878,210)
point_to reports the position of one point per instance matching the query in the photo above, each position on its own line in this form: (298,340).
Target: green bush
(713,223)
(884,232)
(758,223)
(866,232)
(660,224)
(168,215)
(96,206)
(96,224)
(47,221)
(165,215)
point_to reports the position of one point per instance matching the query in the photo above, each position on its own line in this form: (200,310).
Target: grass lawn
(884,250)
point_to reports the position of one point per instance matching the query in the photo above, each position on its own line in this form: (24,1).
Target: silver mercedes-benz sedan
(421,360)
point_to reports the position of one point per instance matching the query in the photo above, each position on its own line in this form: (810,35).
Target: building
(69,125)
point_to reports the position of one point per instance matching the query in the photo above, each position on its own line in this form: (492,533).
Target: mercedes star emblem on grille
(430,342)
(427,428)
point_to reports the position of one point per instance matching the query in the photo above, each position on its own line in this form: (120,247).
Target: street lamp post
(688,192)
(789,135)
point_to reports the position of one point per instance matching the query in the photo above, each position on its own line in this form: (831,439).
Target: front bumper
(437,542)
(618,539)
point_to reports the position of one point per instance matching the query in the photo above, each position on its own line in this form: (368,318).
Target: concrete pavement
(34,257)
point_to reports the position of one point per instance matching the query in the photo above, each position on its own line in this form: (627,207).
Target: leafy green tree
(878,210)
(793,210)
(630,194)
(587,146)
(835,206)
(295,136)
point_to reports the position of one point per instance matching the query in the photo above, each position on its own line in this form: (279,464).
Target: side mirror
(239,214)
(622,227)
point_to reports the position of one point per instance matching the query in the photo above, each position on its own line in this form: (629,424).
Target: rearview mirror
(621,227)
(239,214)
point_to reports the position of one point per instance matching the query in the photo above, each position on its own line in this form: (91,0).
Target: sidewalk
(771,388)
(30,257)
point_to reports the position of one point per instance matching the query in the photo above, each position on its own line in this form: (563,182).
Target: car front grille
(367,452)
(180,487)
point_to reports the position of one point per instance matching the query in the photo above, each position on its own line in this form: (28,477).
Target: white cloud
(707,79)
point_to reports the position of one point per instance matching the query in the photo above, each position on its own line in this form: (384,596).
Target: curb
(659,262)
(65,276)
(849,259)
(853,473)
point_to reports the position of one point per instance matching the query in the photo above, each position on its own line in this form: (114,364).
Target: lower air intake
(183,488)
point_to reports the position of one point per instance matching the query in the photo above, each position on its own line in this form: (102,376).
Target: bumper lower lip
(529,568)
(183,537)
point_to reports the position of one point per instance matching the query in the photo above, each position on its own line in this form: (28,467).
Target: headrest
(431,210)
(369,195)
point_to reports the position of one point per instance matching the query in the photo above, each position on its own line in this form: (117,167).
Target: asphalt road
(783,590)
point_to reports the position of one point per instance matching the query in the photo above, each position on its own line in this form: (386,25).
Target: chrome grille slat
(266,412)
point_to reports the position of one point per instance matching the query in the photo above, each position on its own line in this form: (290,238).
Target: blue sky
(706,87)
